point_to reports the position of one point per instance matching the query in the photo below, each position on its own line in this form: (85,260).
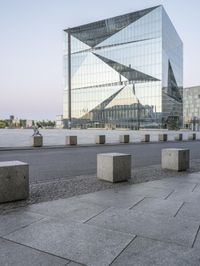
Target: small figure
(36,131)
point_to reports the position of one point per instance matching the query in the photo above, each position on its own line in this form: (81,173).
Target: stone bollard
(114,167)
(162,137)
(179,137)
(14,181)
(100,139)
(36,141)
(192,136)
(124,138)
(145,138)
(71,140)
(175,159)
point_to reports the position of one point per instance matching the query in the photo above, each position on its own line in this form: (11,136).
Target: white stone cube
(124,138)
(14,181)
(114,167)
(71,140)
(175,159)
(36,141)
(100,139)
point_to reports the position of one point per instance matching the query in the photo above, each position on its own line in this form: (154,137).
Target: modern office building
(191,107)
(125,71)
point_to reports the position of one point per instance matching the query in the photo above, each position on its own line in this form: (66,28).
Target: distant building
(191,107)
(59,121)
(29,123)
(125,71)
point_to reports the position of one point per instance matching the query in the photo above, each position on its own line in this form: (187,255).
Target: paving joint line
(169,194)
(179,209)
(198,230)
(42,251)
(123,250)
(136,203)
(96,215)
(23,227)
(197,185)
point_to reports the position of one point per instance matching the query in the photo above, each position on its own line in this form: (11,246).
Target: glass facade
(124,71)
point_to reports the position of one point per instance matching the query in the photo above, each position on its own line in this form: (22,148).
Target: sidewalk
(152,223)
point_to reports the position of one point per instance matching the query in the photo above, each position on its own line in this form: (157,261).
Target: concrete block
(145,138)
(162,137)
(176,159)
(192,136)
(36,141)
(124,138)
(179,137)
(100,139)
(114,167)
(14,181)
(71,140)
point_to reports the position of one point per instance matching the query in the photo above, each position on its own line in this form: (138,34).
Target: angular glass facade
(125,71)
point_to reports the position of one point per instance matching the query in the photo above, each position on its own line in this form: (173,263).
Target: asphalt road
(48,164)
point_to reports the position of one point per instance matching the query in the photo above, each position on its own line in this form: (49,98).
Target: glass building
(125,71)
(191,107)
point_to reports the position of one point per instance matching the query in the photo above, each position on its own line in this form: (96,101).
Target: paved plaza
(152,223)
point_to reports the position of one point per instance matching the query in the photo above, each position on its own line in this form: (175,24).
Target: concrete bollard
(71,140)
(162,137)
(36,141)
(114,167)
(175,159)
(145,138)
(100,139)
(124,138)
(14,181)
(179,137)
(192,136)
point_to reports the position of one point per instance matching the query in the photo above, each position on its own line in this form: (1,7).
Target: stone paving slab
(73,208)
(12,254)
(145,191)
(185,197)
(148,252)
(17,219)
(158,206)
(112,198)
(75,241)
(179,183)
(151,225)
(190,211)
(74,264)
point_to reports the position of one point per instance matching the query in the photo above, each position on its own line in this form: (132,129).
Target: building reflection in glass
(126,71)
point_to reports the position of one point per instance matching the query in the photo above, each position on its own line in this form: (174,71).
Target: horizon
(31,48)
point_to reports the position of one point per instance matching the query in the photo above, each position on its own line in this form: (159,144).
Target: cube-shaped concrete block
(124,138)
(100,139)
(179,137)
(114,167)
(145,138)
(175,159)
(36,141)
(162,137)
(192,136)
(71,140)
(14,181)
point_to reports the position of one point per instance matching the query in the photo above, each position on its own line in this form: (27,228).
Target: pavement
(147,224)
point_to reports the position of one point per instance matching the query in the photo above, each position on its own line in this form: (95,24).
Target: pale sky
(31,43)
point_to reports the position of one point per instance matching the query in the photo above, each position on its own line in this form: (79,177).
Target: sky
(31,47)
